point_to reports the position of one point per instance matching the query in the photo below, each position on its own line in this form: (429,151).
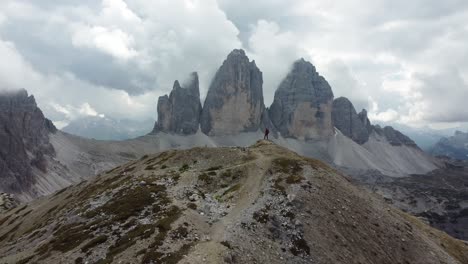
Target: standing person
(266,133)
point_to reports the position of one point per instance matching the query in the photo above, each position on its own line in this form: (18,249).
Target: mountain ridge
(260,204)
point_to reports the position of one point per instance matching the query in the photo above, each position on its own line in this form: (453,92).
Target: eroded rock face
(179,112)
(346,119)
(24,141)
(234,102)
(365,120)
(302,106)
(394,137)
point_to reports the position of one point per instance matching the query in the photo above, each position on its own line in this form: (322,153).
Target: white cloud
(274,52)
(114,42)
(79,99)
(118,9)
(375,115)
(389,115)
(15,72)
(2,18)
(87,110)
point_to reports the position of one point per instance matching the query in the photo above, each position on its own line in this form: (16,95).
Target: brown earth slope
(262,204)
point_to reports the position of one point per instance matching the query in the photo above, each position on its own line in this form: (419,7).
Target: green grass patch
(4,219)
(69,237)
(205,178)
(164,224)
(152,255)
(214,168)
(226,244)
(94,242)
(10,233)
(233,188)
(129,239)
(287,166)
(280,188)
(184,168)
(192,206)
(25,260)
(129,202)
(149,167)
(294,179)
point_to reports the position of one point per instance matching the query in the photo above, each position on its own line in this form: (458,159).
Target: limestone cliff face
(234,102)
(346,119)
(24,141)
(365,120)
(302,107)
(179,112)
(394,137)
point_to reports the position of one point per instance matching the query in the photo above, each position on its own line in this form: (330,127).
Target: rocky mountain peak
(24,140)
(179,112)
(234,102)
(176,85)
(237,53)
(303,104)
(346,119)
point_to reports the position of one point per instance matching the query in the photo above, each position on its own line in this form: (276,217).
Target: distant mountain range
(455,147)
(105,128)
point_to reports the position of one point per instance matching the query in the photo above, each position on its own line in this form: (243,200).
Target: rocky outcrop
(179,112)
(234,102)
(394,137)
(7,202)
(365,120)
(24,141)
(346,119)
(302,106)
(359,128)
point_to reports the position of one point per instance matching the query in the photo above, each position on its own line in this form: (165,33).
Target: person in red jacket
(266,133)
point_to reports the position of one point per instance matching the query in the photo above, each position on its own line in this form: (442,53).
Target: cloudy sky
(405,61)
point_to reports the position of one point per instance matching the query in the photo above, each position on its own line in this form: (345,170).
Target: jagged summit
(302,104)
(179,112)
(346,119)
(358,127)
(24,141)
(261,204)
(234,102)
